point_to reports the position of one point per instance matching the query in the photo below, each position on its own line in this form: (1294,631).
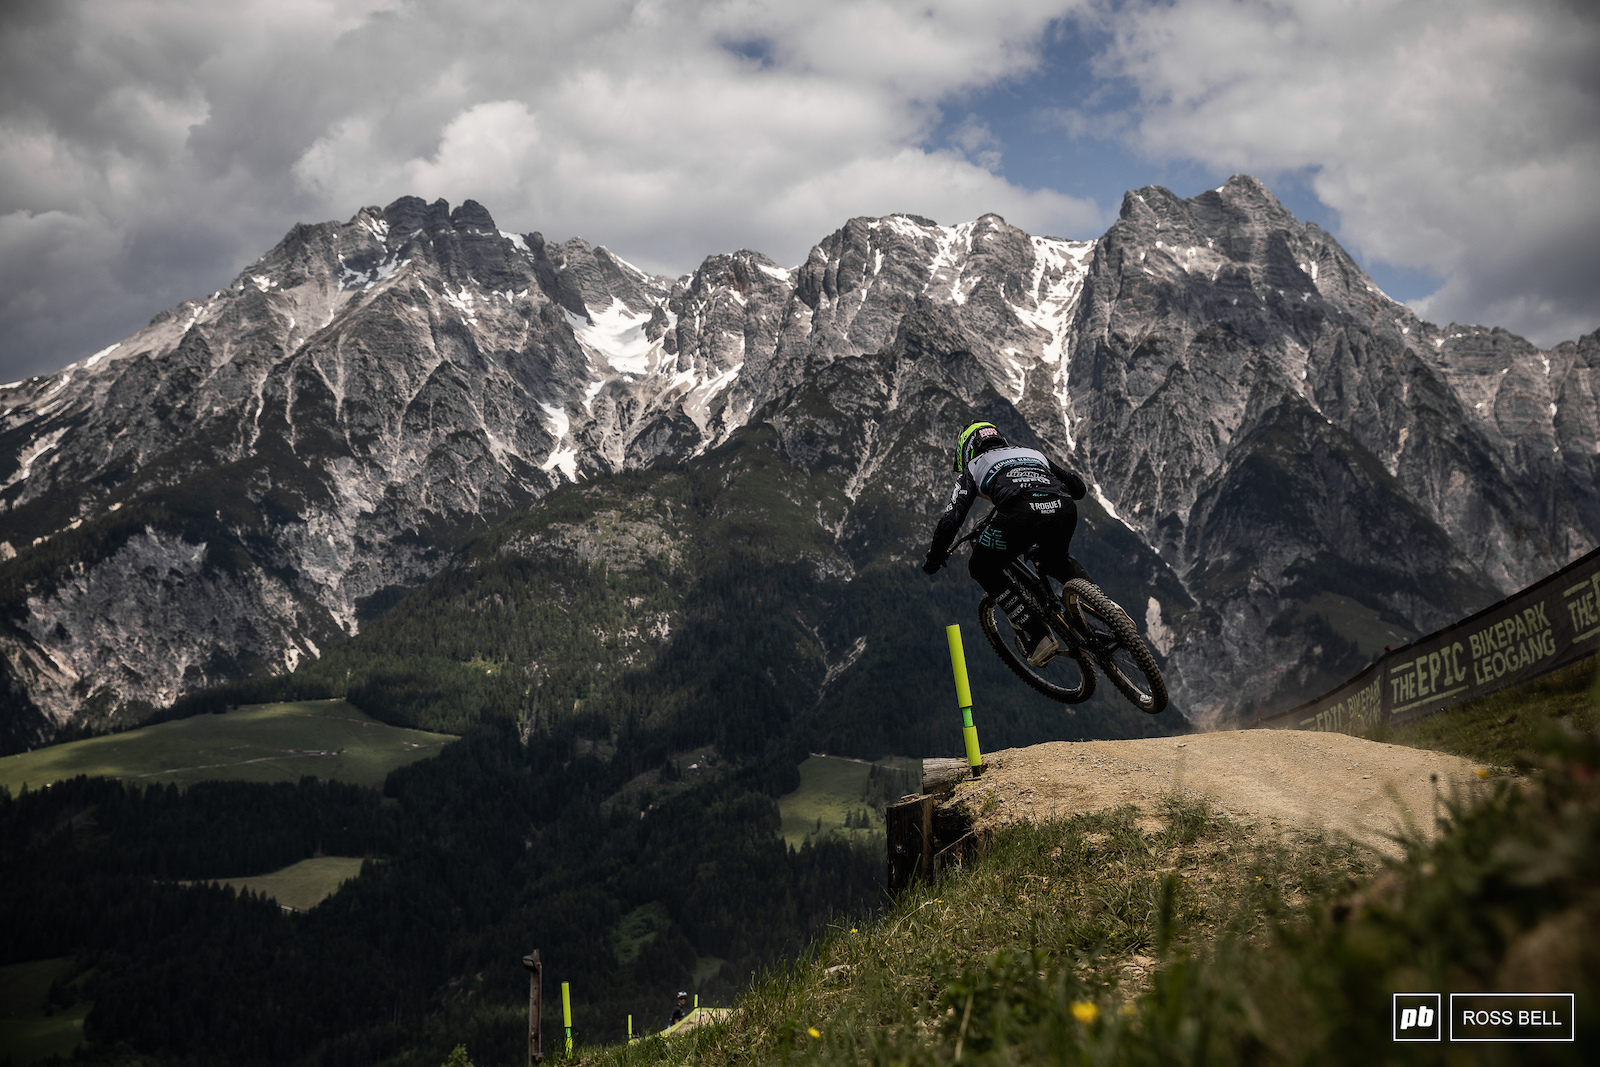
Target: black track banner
(1554,622)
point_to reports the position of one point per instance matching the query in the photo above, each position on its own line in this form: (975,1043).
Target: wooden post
(535,993)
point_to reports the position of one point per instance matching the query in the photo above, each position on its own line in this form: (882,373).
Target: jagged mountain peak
(407,216)
(356,402)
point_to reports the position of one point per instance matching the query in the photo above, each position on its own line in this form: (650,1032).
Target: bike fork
(1016,608)
(1024,606)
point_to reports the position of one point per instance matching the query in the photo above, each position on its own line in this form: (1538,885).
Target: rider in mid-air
(1033,500)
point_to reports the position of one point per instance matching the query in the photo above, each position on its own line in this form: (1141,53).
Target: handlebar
(973,533)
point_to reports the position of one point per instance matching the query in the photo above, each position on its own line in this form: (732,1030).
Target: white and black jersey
(1009,478)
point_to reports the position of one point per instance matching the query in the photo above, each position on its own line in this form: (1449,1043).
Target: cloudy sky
(151,148)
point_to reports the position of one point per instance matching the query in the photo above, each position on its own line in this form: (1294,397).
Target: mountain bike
(1090,628)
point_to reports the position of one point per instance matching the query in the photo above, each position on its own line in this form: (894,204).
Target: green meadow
(261,743)
(304,885)
(29,1030)
(844,796)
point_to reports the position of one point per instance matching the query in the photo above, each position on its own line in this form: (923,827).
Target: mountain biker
(1033,500)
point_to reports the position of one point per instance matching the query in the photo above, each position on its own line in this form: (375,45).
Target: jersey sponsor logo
(1023,465)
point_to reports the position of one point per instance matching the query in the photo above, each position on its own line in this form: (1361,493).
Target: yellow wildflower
(814,1032)
(1084,1012)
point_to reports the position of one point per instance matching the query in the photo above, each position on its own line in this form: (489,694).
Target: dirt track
(1281,778)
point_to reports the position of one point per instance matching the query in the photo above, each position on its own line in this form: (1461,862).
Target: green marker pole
(566,1014)
(630,1028)
(969,732)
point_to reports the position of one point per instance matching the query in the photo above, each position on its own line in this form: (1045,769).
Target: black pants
(1016,528)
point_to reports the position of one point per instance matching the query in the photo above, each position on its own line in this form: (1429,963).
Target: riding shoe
(1043,650)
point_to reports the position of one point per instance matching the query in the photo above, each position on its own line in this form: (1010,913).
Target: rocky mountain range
(1288,468)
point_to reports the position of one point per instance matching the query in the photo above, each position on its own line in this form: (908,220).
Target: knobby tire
(1120,653)
(990,616)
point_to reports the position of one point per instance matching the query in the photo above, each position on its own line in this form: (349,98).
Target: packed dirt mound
(1281,778)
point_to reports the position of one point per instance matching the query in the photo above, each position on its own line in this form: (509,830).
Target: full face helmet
(979,437)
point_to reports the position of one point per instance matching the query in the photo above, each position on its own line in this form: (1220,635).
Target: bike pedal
(1045,651)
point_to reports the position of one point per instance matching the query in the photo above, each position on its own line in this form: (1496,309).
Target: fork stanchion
(969,732)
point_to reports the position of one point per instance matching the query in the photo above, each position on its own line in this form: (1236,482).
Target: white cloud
(192,134)
(979,143)
(172,141)
(1452,136)
(674,130)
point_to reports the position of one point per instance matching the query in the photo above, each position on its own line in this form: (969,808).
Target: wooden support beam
(924,838)
(903,823)
(535,993)
(941,775)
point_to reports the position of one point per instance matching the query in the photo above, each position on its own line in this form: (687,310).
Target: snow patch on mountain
(102,354)
(701,392)
(617,335)
(32,451)
(949,260)
(1105,502)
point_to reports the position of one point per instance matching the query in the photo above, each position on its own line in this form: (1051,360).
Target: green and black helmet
(979,437)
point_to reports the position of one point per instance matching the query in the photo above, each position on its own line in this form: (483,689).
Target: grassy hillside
(1501,729)
(330,739)
(1079,912)
(1109,939)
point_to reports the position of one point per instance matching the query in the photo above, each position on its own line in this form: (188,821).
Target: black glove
(933,562)
(1074,484)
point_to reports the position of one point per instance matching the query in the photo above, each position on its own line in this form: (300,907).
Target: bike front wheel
(1068,677)
(1117,647)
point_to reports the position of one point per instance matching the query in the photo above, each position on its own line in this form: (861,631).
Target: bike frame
(1059,611)
(1111,643)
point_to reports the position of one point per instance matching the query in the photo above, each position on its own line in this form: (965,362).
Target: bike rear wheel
(1068,677)
(1118,649)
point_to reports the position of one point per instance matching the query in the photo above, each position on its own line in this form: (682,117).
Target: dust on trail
(1283,779)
